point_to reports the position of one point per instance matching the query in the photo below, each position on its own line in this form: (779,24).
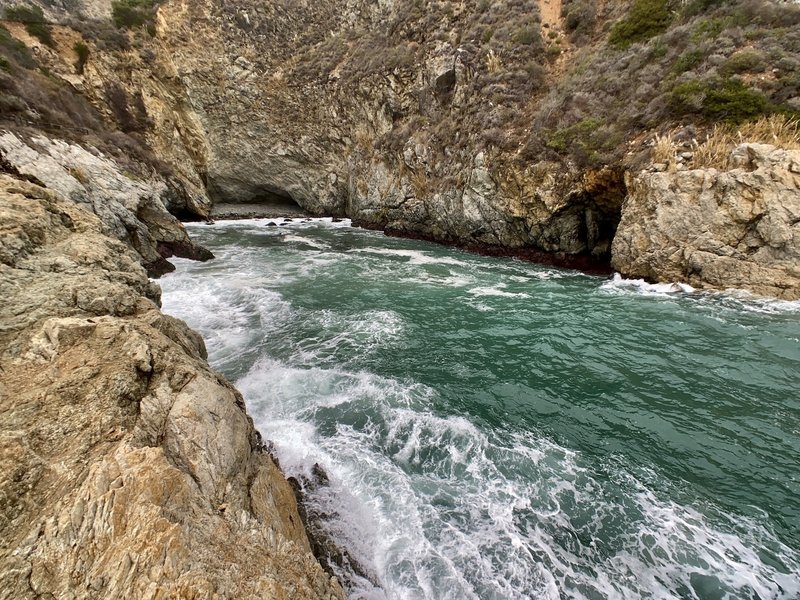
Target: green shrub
(697,7)
(82,50)
(526,36)
(132,14)
(687,97)
(647,18)
(743,62)
(588,141)
(33,19)
(733,102)
(562,139)
(729,101)
(688,61)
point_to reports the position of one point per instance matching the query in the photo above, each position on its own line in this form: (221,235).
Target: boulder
(738,228)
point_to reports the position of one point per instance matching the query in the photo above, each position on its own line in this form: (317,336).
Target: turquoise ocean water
(498,429)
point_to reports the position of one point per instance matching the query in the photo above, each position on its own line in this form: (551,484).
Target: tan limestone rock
(712,229)
(128,468)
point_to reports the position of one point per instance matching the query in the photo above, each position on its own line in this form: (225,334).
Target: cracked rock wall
(717,229)
(128,468)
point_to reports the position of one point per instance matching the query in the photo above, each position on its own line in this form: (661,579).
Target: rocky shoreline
(230,212)
(128,468)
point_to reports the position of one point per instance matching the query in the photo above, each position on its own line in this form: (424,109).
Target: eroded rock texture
(712,229)
(128,468)
(131,210)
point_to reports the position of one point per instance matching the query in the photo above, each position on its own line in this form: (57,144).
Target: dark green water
(495,429)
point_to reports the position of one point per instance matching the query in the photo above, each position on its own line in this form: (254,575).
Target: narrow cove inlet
(488,428)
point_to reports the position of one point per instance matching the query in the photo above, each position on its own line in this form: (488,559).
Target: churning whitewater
(497,429)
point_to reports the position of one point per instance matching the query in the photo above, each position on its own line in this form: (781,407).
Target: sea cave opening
(262,200)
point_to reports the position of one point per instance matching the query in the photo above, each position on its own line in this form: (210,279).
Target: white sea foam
(498,290)
(454,280)
(619,283)
(361,334)
(415,257)
(261,222)
(540,275)
(733,299)
(306,241)
(435,507)
(441,506)
(745,301)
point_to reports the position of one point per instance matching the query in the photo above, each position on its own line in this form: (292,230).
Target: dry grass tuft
(715,151)
(663,149)
(420,183)
(493,64)
(778,130)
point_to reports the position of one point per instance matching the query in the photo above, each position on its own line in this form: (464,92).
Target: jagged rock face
(734,229)
(130,210)
(261,139)
(289,109)
(127,467)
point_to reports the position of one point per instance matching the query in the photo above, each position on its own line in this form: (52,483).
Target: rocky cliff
(505,126)
(735,228)
(128,468)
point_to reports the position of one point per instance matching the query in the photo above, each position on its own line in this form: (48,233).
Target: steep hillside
(506,126)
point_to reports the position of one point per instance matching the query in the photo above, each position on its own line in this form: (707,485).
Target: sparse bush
(647,18)
(33,19)
(133,14)
(82,52)
(697,7)
(130,113)
(11,104)
(579,16)
(104,34)
(687,98)
(16,51)
(80,174)
(526,35)
(688,60)
(742,62)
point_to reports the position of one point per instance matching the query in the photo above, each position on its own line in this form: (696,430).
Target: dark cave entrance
(276,199)
(260,200)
